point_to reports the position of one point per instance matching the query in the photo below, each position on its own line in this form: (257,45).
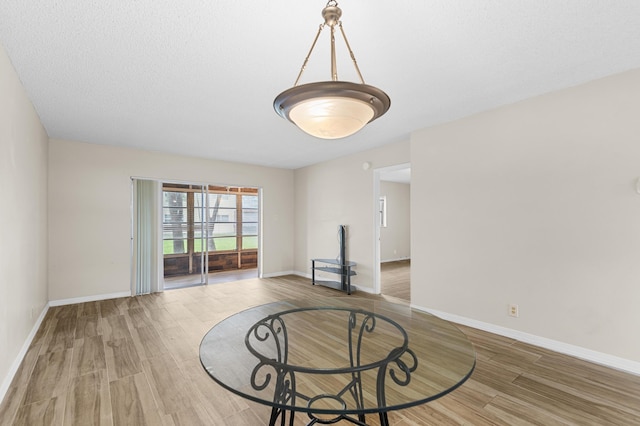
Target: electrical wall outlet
(514,311)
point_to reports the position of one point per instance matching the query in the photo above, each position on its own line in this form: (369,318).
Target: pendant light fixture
(331,109)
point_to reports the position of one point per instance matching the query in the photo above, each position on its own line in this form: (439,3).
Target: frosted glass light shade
(331,117)
(331,109)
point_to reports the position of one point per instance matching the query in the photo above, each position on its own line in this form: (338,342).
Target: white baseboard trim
(302,274)
(23,352)
(353,286)
(363,289)
(94,298)
(395,260)
(596,357)
(278,274)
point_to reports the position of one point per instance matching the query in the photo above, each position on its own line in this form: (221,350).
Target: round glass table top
(343,355)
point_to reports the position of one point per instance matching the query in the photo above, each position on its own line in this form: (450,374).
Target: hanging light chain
(334,66)
(304,64)
(353,57)
(331,19)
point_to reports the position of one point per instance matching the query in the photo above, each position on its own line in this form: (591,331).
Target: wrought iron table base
(273,329)
(360,421)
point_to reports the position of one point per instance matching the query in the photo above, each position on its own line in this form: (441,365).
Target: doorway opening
(392,196)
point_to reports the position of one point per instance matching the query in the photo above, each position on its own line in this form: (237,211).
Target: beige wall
(339,192)
(23,218)
(535,204)
(395,238)
(90,211)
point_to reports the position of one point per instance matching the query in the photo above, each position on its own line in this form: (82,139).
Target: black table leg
(282,414)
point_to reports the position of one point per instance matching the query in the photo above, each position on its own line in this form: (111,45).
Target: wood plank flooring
(395,279)
(134,361)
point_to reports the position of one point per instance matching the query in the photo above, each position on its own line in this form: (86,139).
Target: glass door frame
(203,190)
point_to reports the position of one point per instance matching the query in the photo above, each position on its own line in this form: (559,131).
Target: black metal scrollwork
(270,330)
(271,348)
(254,374)
(406,369)
(272,327)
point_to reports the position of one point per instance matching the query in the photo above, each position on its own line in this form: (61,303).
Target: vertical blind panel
(146,236)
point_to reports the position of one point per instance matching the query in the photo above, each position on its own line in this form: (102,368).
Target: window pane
(174,215)
(222,215)
(250,201)
(174,246)
(225,243)
(249,229)
(174,199)
(249,215)
(222,230)
(197,245)
(198,200)
(197,215)
(172,234)
(219,213)
(383,211)
(225,200)
(249,242)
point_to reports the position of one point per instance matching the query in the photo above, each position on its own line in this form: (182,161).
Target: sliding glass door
(184,236)
(192,234)
(208,230)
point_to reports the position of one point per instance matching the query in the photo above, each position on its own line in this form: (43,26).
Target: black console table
(334,266)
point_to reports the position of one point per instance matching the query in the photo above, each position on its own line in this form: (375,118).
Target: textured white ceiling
(199,77)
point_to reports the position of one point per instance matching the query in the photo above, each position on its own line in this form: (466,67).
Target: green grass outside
(222,244)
